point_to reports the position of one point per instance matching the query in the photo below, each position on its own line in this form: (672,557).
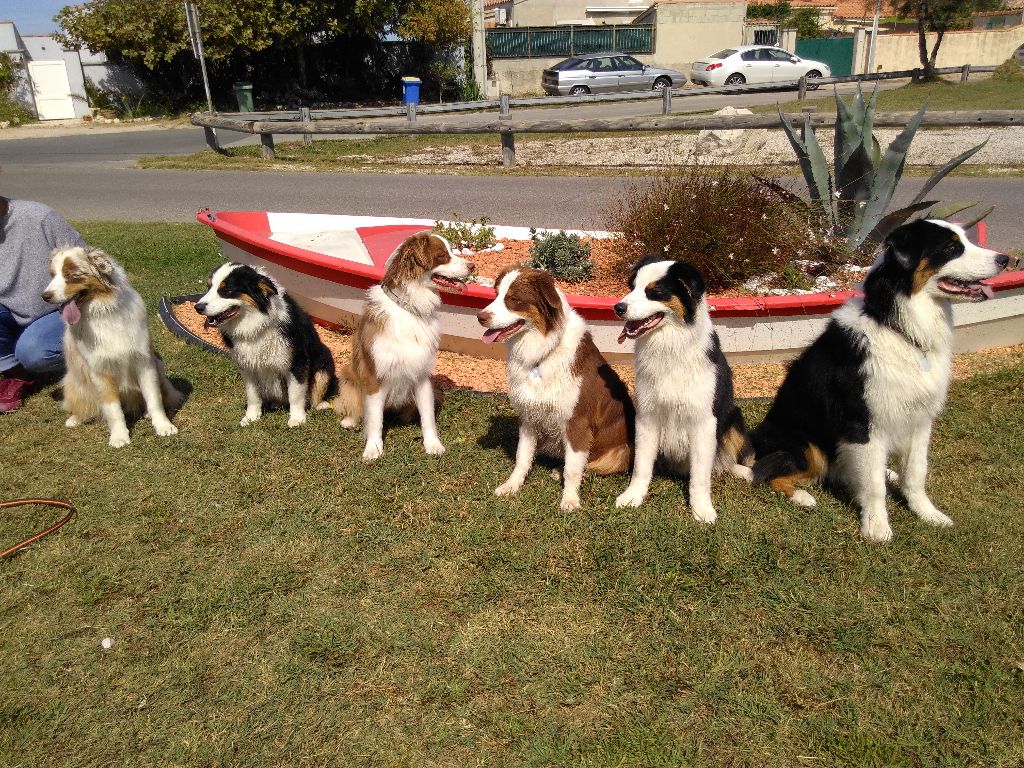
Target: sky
(33,17)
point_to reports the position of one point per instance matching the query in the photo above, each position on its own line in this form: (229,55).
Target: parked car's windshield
(722,54)
(573,63)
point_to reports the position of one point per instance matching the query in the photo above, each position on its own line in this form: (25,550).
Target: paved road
(89,190)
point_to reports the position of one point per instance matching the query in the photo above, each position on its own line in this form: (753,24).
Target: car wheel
(579,90)
(812,75)
(735,79)
(662,82)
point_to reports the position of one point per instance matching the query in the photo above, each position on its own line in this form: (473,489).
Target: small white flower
(665,205)
(665,249)
(107,643)
(837,194)
(775,251)
(731,256)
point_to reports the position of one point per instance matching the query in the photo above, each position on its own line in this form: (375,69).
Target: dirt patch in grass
(455,371)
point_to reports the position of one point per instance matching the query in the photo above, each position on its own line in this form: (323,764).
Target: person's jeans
(38,347)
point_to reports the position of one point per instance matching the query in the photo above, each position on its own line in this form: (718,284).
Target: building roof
(848,9)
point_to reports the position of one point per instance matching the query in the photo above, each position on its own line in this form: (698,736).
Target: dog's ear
(266,287)
(550,303)
(410,260)
(690,278)
(903,245)
(100,262)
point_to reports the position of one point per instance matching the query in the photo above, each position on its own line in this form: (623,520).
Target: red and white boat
(327,262)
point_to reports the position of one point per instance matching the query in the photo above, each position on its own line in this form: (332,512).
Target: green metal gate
(528,42)
(837,52)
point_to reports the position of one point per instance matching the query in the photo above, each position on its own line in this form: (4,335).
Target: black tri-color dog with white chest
(685,412)
(273,341)
(876,379)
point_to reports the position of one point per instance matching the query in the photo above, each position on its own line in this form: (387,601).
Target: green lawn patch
(274,602)
(942,96)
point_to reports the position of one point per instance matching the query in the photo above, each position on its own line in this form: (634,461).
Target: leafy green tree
(940,16)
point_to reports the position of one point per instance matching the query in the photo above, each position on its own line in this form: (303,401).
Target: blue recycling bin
(411,90)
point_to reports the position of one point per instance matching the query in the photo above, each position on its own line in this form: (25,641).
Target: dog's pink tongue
(622,335)
(490,335)
(987,291)
(70,312)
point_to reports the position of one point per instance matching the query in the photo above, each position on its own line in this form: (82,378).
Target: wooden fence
(311,122)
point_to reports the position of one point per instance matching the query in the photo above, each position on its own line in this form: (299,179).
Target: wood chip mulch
(455,371)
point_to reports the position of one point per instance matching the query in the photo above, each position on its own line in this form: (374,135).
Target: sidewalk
(50,129)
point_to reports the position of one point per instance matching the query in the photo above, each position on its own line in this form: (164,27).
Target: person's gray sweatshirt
(28,234)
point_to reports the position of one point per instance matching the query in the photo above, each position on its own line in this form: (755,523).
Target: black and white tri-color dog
(684,392)
(876,379)
(273,341)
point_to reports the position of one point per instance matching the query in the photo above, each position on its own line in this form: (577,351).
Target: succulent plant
(853,197)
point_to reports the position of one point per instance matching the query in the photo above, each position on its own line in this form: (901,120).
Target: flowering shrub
(722,220)
(565,256)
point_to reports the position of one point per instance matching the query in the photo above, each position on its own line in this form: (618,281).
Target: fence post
(801,91)
(965,72)
(267,148)
(211,138)
(307,138)
(503,106)
(410,112)
(508,149)
(666,100)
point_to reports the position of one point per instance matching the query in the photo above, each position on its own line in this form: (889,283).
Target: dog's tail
(349,402)
(611,462)
(735,441)
(324,389)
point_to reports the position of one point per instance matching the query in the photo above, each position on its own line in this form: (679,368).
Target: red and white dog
(396,340)
(571,404)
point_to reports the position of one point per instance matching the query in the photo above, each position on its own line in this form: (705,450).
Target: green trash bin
(243,95)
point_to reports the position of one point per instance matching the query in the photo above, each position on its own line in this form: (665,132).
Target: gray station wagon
(606,72)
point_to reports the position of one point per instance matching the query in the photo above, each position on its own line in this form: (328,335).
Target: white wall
(900,51)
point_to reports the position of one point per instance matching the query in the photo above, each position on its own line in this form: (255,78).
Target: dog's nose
(620,309)
(201,308)
(1002,260)
(470,266)
(48,297)
(484,317)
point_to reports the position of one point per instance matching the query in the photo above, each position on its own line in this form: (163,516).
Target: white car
(756,64)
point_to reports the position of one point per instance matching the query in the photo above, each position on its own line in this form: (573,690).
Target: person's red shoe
(13,393)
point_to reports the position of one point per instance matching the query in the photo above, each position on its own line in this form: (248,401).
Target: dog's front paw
(802,498)
(892,477)
(350,422)
(931,514)
(119,439)
(570,501)
(373,451)
(249,419)
(742,472)
(296,420)
(165,429)
(433,447)
(876,528)
(704,513)
(73,421)
(631,497)
(323,406)
(508,488)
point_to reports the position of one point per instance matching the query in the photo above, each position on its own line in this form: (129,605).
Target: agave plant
(853,198)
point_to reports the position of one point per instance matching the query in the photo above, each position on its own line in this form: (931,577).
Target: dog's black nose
(201,308)
(1002,260)
(620,309)
(48,297)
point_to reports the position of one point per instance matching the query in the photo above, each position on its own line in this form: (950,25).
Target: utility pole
(195,35)
(476,9)
(874,37)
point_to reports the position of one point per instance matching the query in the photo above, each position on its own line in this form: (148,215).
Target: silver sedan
(606,72)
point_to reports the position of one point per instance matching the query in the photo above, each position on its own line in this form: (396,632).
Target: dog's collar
(394,297)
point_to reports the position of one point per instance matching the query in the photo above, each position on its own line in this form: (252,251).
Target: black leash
(36,537)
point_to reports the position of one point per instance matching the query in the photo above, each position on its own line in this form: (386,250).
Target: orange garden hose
(43,502)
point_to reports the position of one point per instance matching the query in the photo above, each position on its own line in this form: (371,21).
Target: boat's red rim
(250,231)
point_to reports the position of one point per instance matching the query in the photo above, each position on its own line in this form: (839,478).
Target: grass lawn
(942,96)
(273,602)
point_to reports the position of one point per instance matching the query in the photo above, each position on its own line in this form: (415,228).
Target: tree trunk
(929,72)
(922,40)
(300,52)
